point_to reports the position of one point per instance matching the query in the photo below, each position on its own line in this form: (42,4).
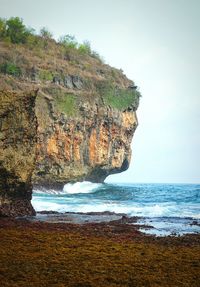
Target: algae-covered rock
(17,152)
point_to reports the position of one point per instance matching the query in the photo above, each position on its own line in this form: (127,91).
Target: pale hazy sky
(157,44)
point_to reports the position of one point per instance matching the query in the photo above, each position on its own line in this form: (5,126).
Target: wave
(134,200)
(44,191)
(48,206)
(153,210)
(71,188)
(81,187)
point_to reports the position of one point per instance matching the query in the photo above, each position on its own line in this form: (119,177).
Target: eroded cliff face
(90,145)
(18,129)
(86,113)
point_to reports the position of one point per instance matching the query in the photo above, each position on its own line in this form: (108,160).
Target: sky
(157,44)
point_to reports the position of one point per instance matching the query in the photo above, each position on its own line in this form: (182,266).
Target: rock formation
(86,114)
(17,152)
(89,145)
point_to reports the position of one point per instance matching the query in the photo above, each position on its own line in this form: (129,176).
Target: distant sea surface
(169,208)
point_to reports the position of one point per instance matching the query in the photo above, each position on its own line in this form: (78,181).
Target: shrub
(45,33)
(10,69)
(85,48)
(13,30)
(68,41)
(32,41)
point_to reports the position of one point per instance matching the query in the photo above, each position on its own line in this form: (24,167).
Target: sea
(167,209)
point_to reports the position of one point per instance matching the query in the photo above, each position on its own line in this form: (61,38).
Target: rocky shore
(109,253)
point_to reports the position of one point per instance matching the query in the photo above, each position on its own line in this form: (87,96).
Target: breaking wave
(81,187)
(168,207)
(71,188)
(149,200)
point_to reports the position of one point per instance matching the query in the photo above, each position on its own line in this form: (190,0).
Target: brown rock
(17,152)
(87,146)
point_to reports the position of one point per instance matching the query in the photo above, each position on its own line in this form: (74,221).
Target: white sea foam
(46,205)
(124,200)
(63,205)
(147,211)
(81,187)
(71,188)
(156,204)
(46,191)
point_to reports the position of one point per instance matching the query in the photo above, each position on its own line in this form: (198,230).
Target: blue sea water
(169,208)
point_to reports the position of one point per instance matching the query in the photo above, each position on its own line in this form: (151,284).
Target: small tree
(16,30)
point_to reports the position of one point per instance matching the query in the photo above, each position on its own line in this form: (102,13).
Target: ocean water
(169,208)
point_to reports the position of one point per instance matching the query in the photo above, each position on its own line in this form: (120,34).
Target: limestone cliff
(17,152)
(87,146)
(86,112)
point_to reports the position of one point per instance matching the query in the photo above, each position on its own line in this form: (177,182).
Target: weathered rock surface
(17,152)
(90,145)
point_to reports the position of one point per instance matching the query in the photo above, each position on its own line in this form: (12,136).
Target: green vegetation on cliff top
(30,59)
(14,31)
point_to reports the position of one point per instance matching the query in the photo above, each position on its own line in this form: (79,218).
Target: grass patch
(10,69)
(66,104)
(121,99)
(45,75)
(117,98)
